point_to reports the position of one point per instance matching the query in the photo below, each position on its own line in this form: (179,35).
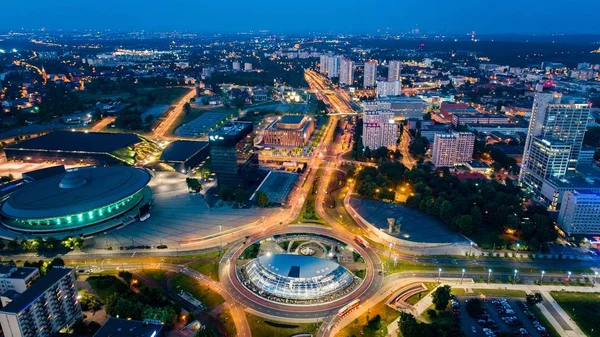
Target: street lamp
(518,245)
(542,277)
(462,276)
(515,277)
(568,277)
(489,275)
(595,277)
(439,274)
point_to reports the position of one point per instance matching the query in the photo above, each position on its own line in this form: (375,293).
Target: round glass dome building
(297,277)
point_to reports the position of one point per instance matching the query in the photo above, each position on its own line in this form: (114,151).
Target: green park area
(373,323)
(207,264)
(266,327)
(207,296)
(417,297)
(583,308)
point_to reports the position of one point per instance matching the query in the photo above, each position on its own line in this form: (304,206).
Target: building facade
(452,149)
(369,74)
(289,131)
(463,119)
(346,71)
(389,88)
(333,66)
(379,129)
(16,278)
(580,213)
(232,153)
(394,70)
(554,129)
(49,305)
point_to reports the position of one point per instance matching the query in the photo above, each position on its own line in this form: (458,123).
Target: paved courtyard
(178,217)
(415,226)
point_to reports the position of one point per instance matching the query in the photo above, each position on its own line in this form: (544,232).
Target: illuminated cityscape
(331,169)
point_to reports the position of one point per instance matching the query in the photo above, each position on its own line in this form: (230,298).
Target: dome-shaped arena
(77,199)
(297,277)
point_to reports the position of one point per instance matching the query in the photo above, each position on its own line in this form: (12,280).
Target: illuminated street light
(462,276)
(595,277)
(515,277)
(542,277)
(489,275)
(439,274)
(568,277)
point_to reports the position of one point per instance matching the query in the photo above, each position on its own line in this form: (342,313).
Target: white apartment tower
(323,64)
(579,213)
(346,71)
(388,88)
(554,140)
(379,129)
(333,66)
(369,74)
(46,307)
(452,149)
(394,70)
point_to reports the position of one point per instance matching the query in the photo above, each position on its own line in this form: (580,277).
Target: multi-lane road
(175,113)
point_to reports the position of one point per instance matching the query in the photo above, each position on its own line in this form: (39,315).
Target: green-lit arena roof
(81,197)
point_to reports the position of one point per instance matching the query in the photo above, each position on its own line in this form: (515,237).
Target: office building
(402,107)
(247,66)
(586,156)
(346,71)
(554,129)
(388,88)
(16,278)
(232,153)
(379,129)
(289,131)
(394,71)
(236,65)
(369,74)
(184,155)
(479,118)
(46,307)
(580,213)
(452,149)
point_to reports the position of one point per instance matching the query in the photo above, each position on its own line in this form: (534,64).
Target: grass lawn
(417,297)
(227,320)
(155,274)
(309,204)
(490,292)
(207,296)
(359,326)
(265,327)
(583,308)
(207,264)
(107,285)
(543,320)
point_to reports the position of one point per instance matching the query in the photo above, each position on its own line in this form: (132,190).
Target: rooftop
(182,150)
(67,141)
(297,266)
(117,327)
(75,192)
(36,290)
(14,272)
(44,173)
(291,119)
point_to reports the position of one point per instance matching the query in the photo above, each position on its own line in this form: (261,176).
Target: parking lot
(499,315)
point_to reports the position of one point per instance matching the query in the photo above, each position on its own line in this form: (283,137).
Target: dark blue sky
(362,16)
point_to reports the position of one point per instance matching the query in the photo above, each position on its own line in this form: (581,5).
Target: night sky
(350,16)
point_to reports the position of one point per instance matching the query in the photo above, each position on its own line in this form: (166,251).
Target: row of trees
(40,244)
(472,207)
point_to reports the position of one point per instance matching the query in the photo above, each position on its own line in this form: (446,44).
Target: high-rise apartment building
(369,74)
(579,213)
(452,149)
(16,278)
(394,70)
(247,66)
(389,88)
(346,71)
(323,64)
(236,65)
(333,66)
(46,307)
(379,129)
(554,140)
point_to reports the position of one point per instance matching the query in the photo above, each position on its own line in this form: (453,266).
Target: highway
(101,124)
(162,130)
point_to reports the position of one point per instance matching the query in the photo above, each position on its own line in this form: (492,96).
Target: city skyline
(337,17)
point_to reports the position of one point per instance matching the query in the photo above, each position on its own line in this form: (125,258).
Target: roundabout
(284,274)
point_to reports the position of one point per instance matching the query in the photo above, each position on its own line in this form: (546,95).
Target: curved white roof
(297,266)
